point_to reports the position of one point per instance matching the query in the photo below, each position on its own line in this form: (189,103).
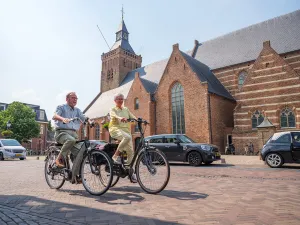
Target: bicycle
(92,163)
(146,159)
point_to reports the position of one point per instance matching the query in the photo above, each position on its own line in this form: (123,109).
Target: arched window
(242,77)
(112,73)
(177,99)
(287,118)
(97,131)
(136,103)
(257,118)
(82,133)
(108,74)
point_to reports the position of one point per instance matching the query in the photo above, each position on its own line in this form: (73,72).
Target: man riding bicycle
(119,129)
(66,131)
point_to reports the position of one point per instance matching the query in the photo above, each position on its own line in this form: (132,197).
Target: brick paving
(214,194)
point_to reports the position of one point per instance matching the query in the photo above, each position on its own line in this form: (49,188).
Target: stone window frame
(97,131)
(259,114)
(136,103)
(82,133)
(42,115)
(290,110)
(242,74)
(178,127)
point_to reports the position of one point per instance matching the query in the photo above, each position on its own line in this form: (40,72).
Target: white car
(11,149)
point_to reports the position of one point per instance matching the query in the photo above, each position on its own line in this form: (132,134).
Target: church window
(136,103)
(97,131)
(108,74)
(242,77)
(287,118)
(177,99)
(82,133)
(257,118)
(112,73)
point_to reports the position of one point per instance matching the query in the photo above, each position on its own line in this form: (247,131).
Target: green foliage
(50,128)
(106,125)
(22,118)
(7,133)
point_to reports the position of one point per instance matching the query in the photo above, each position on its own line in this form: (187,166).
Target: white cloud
(26,96)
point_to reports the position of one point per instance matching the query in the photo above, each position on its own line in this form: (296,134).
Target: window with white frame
(287,118)
(241,79)
(97,131)
(42,115)
(177,99)
(257,118)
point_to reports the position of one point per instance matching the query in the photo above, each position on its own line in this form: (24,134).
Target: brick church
(218,92)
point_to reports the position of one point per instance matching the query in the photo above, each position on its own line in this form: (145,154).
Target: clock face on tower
(125,36)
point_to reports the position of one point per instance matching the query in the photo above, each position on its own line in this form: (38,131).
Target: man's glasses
(119,99)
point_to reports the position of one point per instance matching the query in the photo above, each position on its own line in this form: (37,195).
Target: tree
(50,128)
(22,118)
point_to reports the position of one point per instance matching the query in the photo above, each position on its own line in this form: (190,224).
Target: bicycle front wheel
(96,172)
(152,171)
(53,176)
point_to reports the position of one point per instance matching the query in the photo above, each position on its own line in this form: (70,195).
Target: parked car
(282,147)
(11,149)
(179,147)
(97,143)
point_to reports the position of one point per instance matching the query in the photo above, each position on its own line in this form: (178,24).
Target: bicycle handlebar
(138,120)
(84,122)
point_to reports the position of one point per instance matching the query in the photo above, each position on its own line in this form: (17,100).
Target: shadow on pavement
(180,195)
(108,198)
(38,210)
(202,165)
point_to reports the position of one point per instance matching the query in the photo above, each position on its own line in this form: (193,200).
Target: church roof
(245,44)
(149,85)
(122,27)
(124,45)
(205,75)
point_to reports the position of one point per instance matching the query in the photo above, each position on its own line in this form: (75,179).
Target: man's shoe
(59,162)
(133,178)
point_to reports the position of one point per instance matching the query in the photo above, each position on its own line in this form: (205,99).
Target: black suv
(282,147)
(179,147)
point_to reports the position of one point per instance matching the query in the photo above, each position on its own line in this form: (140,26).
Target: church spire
(122,36)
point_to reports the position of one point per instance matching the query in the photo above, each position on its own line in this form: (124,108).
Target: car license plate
(18,154)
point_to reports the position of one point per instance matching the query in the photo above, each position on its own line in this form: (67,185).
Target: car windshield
(10,142)
(185,139)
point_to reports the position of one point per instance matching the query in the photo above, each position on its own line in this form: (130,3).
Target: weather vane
(122,12)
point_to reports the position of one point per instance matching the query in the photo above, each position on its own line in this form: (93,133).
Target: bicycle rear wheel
(52,174)
(152,171)
(97,172)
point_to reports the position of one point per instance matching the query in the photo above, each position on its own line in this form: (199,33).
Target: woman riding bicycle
(119,129)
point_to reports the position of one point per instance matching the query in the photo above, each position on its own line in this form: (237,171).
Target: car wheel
(194,158)
(21,158)
(1,156)
(208,163)
(274,160)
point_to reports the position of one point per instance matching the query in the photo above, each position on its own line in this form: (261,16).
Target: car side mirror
(177,142)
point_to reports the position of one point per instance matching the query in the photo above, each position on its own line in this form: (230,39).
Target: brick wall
(195,99)
(221,119)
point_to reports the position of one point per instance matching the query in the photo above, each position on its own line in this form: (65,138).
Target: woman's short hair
(118,95)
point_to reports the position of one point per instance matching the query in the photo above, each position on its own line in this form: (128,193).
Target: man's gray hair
(118,95)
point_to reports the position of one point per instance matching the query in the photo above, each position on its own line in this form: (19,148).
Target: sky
(48,48)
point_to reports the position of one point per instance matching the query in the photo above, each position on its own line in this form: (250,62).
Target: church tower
(120,60)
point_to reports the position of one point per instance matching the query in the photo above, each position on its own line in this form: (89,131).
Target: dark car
(179,147)
(282,147)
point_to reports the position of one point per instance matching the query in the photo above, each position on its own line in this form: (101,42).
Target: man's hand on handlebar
(124,120)
(66,120)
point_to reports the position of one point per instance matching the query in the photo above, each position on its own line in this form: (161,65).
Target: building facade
(218,92)
(35,144)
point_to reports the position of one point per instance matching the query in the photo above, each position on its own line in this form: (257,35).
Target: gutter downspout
(209,118)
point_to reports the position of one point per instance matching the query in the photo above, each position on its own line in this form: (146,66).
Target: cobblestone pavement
(214,194)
